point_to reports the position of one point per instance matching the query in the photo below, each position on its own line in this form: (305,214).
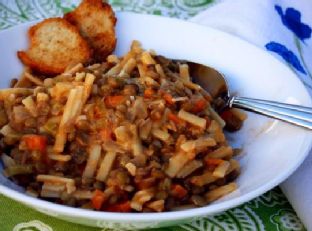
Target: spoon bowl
(216,85)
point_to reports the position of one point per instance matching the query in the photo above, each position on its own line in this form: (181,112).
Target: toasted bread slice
(96,21)
(54,44)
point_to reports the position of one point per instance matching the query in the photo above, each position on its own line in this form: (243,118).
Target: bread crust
(96,23)
(54,45)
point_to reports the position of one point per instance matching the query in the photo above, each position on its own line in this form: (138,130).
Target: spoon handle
(294,114)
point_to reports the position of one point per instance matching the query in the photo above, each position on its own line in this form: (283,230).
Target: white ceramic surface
(272,150)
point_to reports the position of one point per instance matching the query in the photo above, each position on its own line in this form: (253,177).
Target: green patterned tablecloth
(270,211)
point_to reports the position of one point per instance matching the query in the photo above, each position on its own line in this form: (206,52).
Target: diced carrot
(178,191)
(175,118)
(168,98)
(199,105)
(213,161)
(98,199)
(123,207)
(114,100)
(35,142)
(106,134)
(97,112)
(149,92)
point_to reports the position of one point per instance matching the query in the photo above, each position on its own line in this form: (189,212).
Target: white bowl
(272,149)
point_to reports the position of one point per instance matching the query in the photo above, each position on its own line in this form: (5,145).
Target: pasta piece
(72,110)
(57,157)
(157,206)
(126,57)
(160,71)
(70,188)
(234,166)
(131,168)
(160,134)
(221,169)
(142,70)
(198,145)
(33,79)
(88,83)
(114,70)
(60,90)
(216,116)
(189,168)
(72,70)
(70,183)
(111,146)
(93,159)
(57,187)
(80,76)
(60,138)
(221,153)
(184,72)
(106,166)
(216,131)
(112,59)
(176,163)
(192,119)
(42,97)
(55,179)
(128,68)
(137,147)
(147,59)
(145,128)
(191,85)
(136,47)
(140,198)
(30,105)
(76,107)
(220,192)
(178,99)
(203,179)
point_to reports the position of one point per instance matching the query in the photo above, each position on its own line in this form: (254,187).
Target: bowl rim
(171,215)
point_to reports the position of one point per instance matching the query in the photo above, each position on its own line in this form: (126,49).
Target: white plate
(272,150)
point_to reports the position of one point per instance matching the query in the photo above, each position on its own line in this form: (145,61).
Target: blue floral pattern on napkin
(292,20)
(286,54)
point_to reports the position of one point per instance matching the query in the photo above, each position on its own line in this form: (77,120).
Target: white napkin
(283,28)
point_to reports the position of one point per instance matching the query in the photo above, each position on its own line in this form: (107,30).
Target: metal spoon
(214,82)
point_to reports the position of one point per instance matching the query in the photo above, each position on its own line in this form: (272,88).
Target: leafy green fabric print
(49,8)
(272,198)
(196,3)
(13,12)
(66,5)
(287,220)
(27,10)
(9,17)
(34,225)
(240,218)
